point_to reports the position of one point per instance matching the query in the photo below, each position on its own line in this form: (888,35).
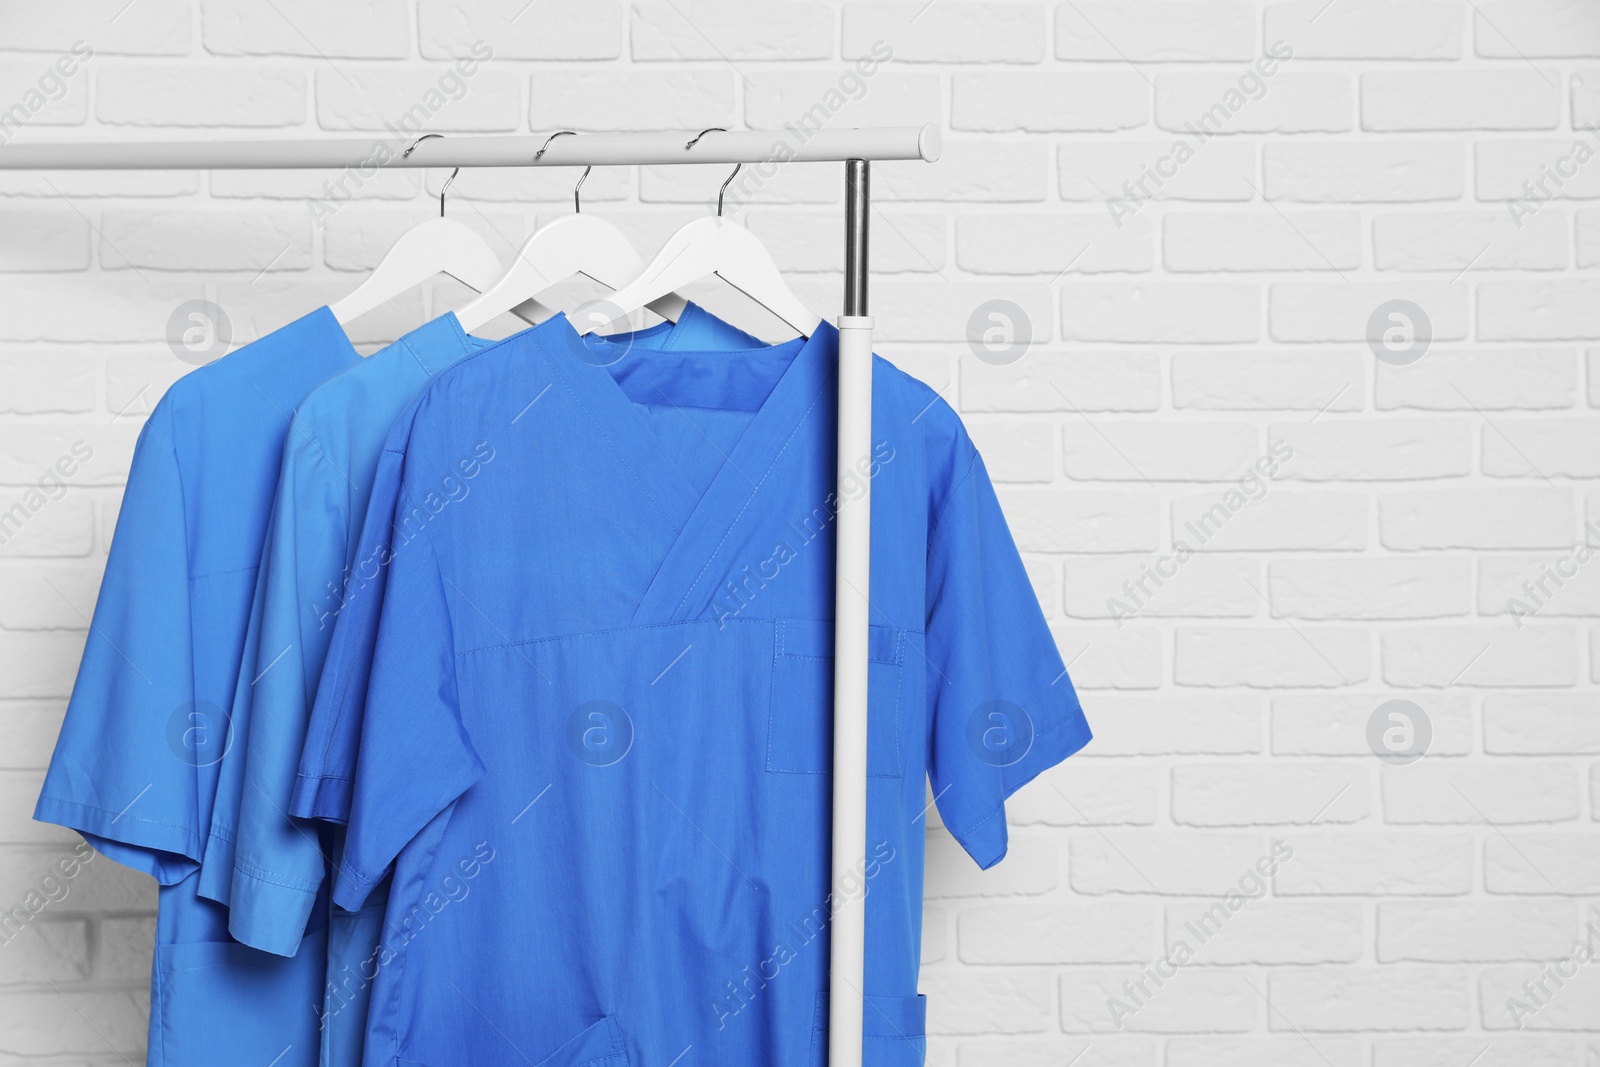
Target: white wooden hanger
(710,245)
(438,246)
(571,245)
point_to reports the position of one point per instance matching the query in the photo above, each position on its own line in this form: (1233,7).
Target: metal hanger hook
(445,186)
(723,191)
(696,138)
(447,181)
(413,146)
(577,204)
(736,167)
(546,146)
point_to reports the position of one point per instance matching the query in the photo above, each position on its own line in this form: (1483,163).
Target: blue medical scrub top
(266,867)
(585,713)
(135,768)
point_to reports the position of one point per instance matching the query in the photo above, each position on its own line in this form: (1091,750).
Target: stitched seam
(218,574)
(159,995)
(261,874)
(829,659)
(416,357)
(402,497)
(1001,807)
(189,832)
(950,497)
(435,381)
(900,683)
(772,692)
(897,760)
(715,552)
(981,822)
(357,880)
(586,634)
(897,658)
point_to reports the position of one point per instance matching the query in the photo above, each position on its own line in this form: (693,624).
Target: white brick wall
(1186,318)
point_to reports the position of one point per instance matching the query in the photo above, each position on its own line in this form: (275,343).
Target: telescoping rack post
(856,149)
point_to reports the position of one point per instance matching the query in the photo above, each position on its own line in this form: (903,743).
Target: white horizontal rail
(579,150)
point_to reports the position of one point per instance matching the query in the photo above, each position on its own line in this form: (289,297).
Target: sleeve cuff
(166,852)
(321,797)
(987,840)
(350,888)
(265,912)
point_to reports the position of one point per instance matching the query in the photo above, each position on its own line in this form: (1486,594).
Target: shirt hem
(983,841)
(320,796)
(157,839)
(268,914)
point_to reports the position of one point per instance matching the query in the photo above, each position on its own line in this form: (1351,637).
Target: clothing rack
(856,148)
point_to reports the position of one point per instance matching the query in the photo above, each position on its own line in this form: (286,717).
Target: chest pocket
(800,731)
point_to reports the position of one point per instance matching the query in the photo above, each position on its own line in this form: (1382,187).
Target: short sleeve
(415,757)
(216,870)
(1003,709)
(333,735)
(278,865)
(124,769)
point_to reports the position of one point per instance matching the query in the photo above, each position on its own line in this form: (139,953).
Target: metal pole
(757,148)
(857,201)
(847,938)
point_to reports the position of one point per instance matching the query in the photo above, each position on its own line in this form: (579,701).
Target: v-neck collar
(700,517)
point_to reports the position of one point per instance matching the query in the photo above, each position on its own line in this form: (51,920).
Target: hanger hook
(577,207)
(447,181)
(577,204)
(545,147)
(413,146)
(736,167)
(445,186)
(709,129)
(720,192)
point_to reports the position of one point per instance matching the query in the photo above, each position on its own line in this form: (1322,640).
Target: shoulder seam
(972,465)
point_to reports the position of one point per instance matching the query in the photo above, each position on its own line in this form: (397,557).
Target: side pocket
(599,1045)
(893,1031)
(800,731)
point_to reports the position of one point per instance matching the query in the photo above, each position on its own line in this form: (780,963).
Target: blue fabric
(582,714)
(323,476)
(136,766)
(267,867)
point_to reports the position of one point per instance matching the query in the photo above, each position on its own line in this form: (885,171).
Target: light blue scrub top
(135,768)
(267,868)
(583,713)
